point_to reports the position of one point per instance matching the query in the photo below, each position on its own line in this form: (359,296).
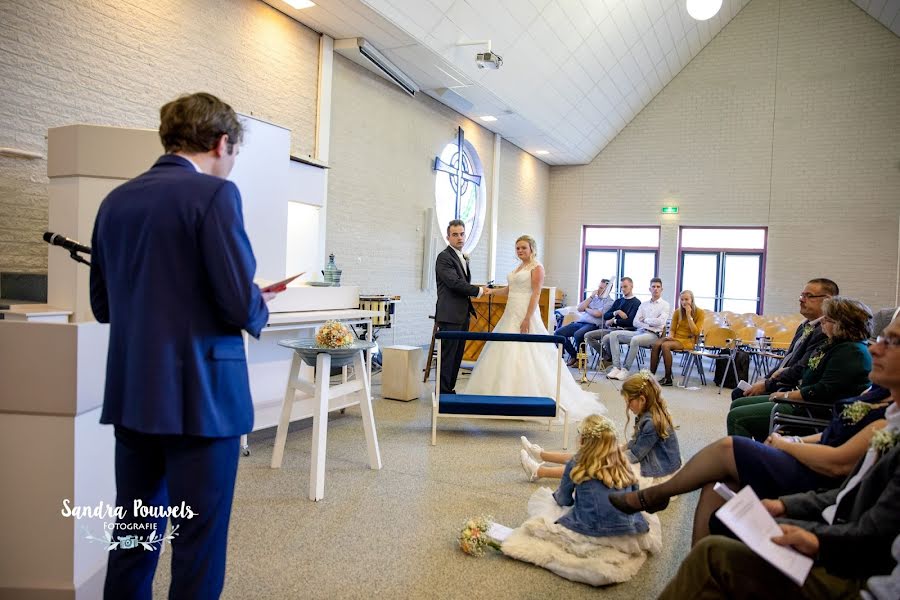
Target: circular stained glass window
(459,191)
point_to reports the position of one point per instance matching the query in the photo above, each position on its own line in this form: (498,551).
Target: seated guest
(593,307)
(687,322)
(650,322)
(807,339)
(619,316)
(780,467)
(882,319)
(836,371)
(848,532)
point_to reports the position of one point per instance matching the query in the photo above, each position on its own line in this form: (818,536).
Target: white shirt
(462,259)
(652,315)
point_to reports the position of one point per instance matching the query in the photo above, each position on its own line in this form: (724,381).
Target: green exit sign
(669,210)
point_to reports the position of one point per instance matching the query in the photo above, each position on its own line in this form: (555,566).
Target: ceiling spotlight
(488,118)
(542,152)
(702,10)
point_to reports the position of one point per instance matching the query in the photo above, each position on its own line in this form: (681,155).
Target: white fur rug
(587,559)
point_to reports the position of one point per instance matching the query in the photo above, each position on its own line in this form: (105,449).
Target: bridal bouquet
(473,539)
(333,334)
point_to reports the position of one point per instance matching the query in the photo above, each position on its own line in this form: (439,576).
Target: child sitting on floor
(653,449)
(575,531)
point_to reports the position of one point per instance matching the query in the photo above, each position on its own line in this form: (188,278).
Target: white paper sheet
(746,516)
(498,532)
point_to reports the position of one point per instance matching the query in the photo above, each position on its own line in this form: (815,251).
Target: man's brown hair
(195,122)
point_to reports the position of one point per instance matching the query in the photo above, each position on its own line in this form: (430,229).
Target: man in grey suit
(454,290)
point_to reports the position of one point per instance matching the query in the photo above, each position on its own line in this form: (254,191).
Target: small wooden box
(401,372)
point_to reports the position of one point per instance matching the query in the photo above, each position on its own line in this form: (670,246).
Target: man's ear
(221,147)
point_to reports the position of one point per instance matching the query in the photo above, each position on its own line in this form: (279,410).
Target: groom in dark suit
(172,273)
(454,290)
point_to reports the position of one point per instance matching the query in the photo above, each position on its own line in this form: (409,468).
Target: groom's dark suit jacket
(453,289)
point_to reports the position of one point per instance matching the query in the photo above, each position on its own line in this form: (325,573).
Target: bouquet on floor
(333,334)
(474,539)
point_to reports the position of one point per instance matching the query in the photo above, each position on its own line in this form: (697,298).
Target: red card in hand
(280,286)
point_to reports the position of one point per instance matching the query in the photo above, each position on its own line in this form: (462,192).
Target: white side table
(303,386)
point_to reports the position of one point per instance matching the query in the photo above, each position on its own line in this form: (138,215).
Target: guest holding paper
(783,465)
(172,273)
(848,530)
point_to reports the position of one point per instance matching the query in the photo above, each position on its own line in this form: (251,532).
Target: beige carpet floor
(392,533)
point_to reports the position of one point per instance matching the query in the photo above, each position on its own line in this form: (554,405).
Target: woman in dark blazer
(837,371)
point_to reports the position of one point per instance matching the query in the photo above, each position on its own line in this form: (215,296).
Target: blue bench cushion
(510,406)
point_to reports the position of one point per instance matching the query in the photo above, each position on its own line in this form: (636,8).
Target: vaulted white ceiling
(574,74)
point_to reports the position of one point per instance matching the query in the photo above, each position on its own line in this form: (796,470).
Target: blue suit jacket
(172,273)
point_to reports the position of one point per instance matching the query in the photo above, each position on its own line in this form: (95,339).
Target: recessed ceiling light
(299,4)
(488,118)
(542,152)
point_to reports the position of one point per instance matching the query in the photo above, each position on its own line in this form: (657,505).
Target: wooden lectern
(489,309)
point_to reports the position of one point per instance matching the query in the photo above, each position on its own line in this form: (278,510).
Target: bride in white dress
(519,369)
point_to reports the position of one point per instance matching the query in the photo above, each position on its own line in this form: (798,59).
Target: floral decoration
(333,334)
(474,539)
(885,439)
(856,412)
(814,360)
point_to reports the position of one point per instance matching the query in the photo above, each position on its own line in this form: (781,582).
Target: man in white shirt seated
(650,322)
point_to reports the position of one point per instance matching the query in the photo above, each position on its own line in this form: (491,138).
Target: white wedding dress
(521,369)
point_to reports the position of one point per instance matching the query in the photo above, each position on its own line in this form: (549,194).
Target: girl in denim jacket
(653,448)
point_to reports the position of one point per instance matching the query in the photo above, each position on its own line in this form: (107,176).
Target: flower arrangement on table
(334,334)
(473,539)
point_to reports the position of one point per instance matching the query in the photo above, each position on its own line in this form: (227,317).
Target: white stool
(302,386)
(400,370)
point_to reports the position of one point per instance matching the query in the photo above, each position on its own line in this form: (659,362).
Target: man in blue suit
(172,273)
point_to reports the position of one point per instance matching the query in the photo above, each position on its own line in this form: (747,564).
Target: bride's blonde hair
(531,243)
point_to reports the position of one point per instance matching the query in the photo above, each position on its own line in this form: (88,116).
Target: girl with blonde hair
(653,449)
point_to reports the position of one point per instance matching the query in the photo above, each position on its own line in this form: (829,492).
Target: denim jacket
(658,457)
(592,514)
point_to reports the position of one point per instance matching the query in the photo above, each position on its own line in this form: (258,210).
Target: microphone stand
(77,258)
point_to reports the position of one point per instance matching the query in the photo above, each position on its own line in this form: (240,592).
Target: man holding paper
(172,273)
(847,531)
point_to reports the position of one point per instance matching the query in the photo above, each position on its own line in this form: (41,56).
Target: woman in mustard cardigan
(686,323)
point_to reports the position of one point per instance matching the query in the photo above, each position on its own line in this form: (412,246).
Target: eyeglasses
(888,341)
(807,296)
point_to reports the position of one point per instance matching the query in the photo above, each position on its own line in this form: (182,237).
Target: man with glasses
(807,339)
(751,407)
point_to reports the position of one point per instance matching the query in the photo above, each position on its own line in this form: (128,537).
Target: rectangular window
(616,252)
(724,267)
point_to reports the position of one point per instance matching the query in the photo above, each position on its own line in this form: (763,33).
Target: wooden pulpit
(489,309)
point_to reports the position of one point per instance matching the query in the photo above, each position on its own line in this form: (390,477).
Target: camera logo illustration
(143,519)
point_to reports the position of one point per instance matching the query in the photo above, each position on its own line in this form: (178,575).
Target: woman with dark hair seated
(837,371)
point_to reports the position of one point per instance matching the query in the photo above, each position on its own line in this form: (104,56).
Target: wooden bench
(475,406)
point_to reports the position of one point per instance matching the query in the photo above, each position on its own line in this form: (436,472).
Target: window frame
(583,285)
(720,261)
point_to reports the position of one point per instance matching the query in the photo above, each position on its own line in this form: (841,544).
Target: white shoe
(530,465)
(612,373)
(533,450)
(620,374)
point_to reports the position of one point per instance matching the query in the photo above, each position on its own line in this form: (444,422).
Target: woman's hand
(524,326)
(799,539)
(775,440)
(775,507)
(687,311)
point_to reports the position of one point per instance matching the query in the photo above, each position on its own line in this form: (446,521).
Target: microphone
(55,239)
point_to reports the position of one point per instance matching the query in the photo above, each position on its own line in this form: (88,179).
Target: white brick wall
(116,63)
(787,119)
(381,182)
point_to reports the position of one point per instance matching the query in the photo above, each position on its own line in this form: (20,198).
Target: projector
(488,60)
